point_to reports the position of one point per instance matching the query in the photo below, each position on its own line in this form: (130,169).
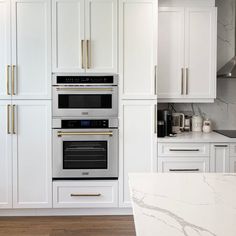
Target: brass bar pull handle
(183,170)
(13,119)
(85,89)
(60,134)
(88,50)
(86,194)
(8,90)
(82,53)
(184,150)
(13,80)
(221,145)
(187,80)
(182,81)
(8,117)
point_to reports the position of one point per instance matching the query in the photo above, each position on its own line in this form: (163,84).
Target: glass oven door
(85,153)
(88,101)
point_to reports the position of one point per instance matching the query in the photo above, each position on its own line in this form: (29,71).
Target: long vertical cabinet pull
(88,51)
(13,119)
(82,53)
(13,80)
(187,80)
(8,90)
(182,81)
(8,119)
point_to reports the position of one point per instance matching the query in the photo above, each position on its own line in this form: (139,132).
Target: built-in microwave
(85,95)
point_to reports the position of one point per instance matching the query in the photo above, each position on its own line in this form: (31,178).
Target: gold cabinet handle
(82,53)
(182,81)
(8,90)
(13,119)
(187,80)
(86,194)
(8,117)
(59,133)
(13,80)
(88,50)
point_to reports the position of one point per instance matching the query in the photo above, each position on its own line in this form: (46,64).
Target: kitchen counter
(200,137)
(184,204)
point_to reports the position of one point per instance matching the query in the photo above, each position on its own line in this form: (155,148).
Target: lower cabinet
(26,145)
(220,158)
(85,194)
(137,142)
(232,164)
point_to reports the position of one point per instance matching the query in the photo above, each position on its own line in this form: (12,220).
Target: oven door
(85,153)
(87,101)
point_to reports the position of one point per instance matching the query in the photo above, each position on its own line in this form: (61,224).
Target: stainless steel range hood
(228,71)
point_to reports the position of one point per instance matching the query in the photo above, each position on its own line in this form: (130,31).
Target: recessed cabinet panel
(200,36)
(138,48)
(5,41)
(68,33)
(233,164)
(31,49)
(170,53)
(32,180)
(5,156)
(101,31)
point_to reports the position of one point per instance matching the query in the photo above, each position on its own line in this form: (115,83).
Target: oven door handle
(84,89)
(60,134)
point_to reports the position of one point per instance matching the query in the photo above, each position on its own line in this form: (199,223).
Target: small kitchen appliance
(178,121)
(196,123)
(165,116)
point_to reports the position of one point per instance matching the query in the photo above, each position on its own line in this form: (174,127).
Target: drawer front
(181,165)
(183,149)
(233,150)
(85,194)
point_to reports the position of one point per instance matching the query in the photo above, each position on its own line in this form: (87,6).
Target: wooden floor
(67,226)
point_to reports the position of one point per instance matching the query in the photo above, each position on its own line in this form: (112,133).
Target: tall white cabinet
(137,67)
(187,53)
(25,105)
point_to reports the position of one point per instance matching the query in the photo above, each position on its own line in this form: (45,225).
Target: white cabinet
(138,48)
(85,36)
(5,156)
(232,164)
(137,141)
(25,45)
(187,54)
(220,158)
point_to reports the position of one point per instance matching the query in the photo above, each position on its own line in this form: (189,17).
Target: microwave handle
(60,134)
(84,89)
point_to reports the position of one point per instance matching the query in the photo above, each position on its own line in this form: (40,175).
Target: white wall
(223,111)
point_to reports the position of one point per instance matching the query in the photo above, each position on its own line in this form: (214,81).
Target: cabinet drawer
(181,165)
(85,194)
(183,149)
(233,150)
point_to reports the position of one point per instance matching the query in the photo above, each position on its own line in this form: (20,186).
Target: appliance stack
(85,126)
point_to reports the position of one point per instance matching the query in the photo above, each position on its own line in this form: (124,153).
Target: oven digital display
(85,123)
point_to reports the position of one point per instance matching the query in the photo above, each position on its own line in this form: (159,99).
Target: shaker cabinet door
(32,179)
(5,155)
(68,35)
(101,35)
(138,48)
(31,49)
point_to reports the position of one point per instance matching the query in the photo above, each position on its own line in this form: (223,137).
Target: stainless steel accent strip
(86,194)
(59,133)
(184,150)
(183,170)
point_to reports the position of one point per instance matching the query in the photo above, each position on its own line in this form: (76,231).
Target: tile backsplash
(223,111)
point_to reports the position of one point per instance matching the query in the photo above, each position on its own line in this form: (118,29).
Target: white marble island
(184,204)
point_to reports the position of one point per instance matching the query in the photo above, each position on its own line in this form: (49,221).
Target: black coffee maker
(164,123)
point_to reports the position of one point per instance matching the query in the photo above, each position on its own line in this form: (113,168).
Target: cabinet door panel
(101,30)
(32,180)
(233,164)
(170,52)
(31,48)
(68,33)
(200,52)
(5,50)
(136,142)
(5,157)
(138,48)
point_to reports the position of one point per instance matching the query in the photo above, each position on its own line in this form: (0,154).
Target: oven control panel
(84,79)
(84,124)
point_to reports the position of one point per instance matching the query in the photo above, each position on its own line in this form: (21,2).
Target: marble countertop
(184,204)
(199,137)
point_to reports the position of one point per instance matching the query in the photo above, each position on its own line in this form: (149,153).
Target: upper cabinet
(138,48)
(25,49)
(85,36)
(187,54)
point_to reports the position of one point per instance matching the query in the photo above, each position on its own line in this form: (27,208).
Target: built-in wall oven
(85,95)
(85,148)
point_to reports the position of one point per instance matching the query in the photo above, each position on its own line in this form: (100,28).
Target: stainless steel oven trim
(113,162)
(113,112)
